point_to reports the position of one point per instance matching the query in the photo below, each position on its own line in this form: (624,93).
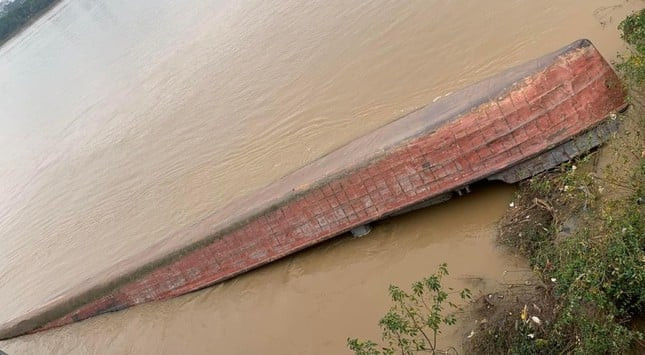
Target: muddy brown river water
(122,122)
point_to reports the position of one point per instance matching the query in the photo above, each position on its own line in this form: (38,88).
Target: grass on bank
(587,248)
(633,64)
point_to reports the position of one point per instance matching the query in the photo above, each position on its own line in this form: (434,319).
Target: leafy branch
(414,319)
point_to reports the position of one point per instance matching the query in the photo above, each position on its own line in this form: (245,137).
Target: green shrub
(414,320)
(633,32)
(600,281)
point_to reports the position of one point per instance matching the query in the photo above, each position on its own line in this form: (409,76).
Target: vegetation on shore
(18,14)
(582,228)
(583,235)
(633,64)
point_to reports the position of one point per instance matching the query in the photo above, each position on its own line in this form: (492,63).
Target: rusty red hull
(476,133)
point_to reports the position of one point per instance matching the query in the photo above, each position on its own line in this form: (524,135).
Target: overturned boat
(509,127)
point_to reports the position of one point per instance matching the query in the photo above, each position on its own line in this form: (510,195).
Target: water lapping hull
(507,127)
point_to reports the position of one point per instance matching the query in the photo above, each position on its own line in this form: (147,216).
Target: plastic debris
(524,315)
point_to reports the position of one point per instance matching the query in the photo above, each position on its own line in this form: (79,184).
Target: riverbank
(582,228)
(18,15)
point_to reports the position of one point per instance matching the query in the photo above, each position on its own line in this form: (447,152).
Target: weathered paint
(574,147)
(482,130)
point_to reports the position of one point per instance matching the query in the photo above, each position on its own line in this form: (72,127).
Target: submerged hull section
(500,128)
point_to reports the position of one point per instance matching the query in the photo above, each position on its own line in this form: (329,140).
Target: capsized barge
(508,127)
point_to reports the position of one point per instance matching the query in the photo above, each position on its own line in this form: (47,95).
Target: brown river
(122,122)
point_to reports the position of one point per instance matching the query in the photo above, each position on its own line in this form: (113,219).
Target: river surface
(122,122)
